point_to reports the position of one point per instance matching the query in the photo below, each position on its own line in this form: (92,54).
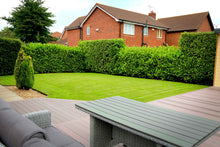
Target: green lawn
(91,86)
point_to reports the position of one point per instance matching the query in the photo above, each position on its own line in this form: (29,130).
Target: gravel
(26,94)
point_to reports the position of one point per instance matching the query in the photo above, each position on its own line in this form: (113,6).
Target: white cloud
(60,5)
(5,8)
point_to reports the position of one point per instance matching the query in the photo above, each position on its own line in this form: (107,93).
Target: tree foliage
(7,33)
(31,21)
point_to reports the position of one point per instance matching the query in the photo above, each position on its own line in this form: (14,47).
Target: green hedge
(53,58)
(101,55)
(198,57)
(148,62)
(9,49)
(193,62)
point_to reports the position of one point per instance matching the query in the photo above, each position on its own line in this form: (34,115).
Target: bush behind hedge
(9,49)
(53,58)
(101,55)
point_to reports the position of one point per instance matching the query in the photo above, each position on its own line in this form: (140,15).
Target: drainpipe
(143,43)
(81,33)
(119,29)
(142,37)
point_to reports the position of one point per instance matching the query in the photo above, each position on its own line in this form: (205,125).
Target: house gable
(104,28)
(206,25)
(93,9)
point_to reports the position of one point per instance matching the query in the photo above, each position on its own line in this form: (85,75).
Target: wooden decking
(64,116)
(204,103)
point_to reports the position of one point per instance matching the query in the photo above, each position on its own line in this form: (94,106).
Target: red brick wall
(108,27)
(152,40)
(132,40)
(136,39)
(64,35)
(73,37)
(173,38)
(205,27)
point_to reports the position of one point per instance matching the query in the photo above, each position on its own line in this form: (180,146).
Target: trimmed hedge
(53,58)
(9,49)
(148,62)
(198,57)
(101,55)
(193,62)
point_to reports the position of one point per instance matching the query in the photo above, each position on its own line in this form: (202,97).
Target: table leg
(100,133)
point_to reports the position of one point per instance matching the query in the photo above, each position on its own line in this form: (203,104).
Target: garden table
(120,120)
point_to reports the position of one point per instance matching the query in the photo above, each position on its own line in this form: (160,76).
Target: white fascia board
(156,27)
(133,23)
(144,25)
(64,30)
(93,9)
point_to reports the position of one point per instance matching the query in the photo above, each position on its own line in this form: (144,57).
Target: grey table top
(164,126)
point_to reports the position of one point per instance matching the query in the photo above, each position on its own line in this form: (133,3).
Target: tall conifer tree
(31,21)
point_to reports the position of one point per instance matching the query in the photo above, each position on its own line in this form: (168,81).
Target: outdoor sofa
(30,130)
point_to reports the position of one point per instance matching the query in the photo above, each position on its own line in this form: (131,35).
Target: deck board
(204,103)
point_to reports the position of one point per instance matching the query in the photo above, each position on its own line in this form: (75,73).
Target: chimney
(152,14)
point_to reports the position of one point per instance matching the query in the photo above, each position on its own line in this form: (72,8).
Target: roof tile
(76,23)
(184,22)
(123,15)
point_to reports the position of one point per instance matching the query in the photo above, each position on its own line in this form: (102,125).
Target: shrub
(24,71)
(9,49)
(53,58)
(101,55)
(198,57)
(148,62)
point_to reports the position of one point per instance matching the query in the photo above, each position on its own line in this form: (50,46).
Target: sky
(66,11)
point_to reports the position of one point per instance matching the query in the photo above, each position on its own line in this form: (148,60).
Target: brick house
(199,22)
(105,22)
(56,34)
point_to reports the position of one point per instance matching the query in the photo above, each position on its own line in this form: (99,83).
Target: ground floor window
(129,29)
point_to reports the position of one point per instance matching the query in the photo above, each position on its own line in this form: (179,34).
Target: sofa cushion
(15,129)
(4,105)
(59,139)
(37,142)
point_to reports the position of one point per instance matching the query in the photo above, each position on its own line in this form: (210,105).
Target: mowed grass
(92,86)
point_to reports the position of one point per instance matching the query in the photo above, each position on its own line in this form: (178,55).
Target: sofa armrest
(40,118)
(2,145)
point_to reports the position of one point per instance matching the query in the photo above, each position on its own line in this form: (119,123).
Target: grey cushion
(4,105)
(37,142)
(59,139)
(15,130)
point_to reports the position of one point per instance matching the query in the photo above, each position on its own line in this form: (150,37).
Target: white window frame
(159,33)
(146,31)
(129,29)
(88,30)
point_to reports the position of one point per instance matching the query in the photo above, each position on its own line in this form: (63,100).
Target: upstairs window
(129,29)
(146,31)
(88,30)
(159,33)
